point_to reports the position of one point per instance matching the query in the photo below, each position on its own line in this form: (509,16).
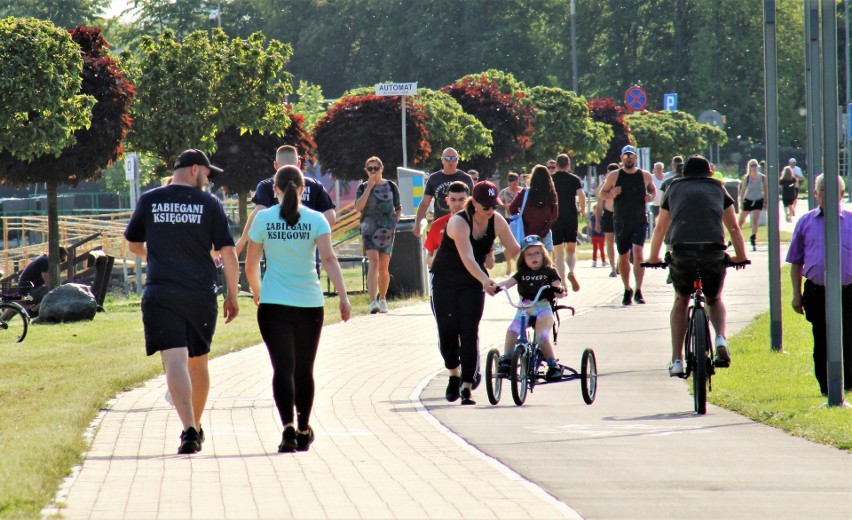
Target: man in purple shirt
(807,256)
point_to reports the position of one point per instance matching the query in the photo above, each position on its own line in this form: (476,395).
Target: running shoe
(723,355)
(374,307)
(452,393)
(554,373)
(304,440)
(594,263)
(465,397)
(477,378)
(383,306)
(504,367)
(638,297)
(676,368)
(575,285)
(288,441)
(613,274)
(189,442)
(628,297)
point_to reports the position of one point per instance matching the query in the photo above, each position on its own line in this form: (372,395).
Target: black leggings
(292,336)
(458,311)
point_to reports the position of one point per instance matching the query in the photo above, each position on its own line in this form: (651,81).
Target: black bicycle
(528,365)
(698,351)
(14,318)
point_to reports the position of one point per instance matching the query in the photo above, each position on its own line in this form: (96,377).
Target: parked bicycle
(528,366)
(698,352)
(14,318)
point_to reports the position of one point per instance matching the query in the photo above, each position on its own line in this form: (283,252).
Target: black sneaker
(189,442)
(453,388)
(628,297)
(304,440)
(554,374)
(288,441)
(638,297)
(465,397)
(504,367)
(477,378)
(200,437)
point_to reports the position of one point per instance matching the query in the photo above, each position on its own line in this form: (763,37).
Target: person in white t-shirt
(290,299)
(657,177)
(800,176)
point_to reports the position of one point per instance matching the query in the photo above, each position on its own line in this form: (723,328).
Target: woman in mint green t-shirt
(290,299)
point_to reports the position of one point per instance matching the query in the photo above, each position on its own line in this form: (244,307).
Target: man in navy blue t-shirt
(175,227)
(314,197)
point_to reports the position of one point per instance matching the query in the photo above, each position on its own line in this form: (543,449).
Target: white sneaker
(594,264)
(383,306)
(374,307)
(676,368)
(723,355)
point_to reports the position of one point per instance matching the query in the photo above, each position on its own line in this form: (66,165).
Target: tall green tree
(96,147)
(62,13)
(563,124)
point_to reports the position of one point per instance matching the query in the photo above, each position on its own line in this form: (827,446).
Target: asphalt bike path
(640,451)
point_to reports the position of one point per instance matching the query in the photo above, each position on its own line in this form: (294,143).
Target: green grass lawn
(780,389)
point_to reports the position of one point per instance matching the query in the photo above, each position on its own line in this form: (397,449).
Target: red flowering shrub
(359,127)
(606,110)
(510,122)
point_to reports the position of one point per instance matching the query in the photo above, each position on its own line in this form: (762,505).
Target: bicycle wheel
(700,352)
(493,381)
(14,322)
(589,376)
(520,375)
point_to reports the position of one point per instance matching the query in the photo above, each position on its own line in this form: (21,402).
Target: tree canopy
(359,127)
(670,133)
(42,103)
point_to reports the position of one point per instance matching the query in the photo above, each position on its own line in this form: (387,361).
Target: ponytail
(288,180)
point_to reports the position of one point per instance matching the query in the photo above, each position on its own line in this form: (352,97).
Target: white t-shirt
(658,198)
(797,171)
(290,277)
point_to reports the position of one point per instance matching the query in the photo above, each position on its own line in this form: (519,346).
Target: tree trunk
(53,234)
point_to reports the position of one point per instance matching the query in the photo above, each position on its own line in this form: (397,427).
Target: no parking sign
(636,98)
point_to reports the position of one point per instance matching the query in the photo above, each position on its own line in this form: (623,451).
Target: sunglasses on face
(551,167)
(488,207)
(451,158)
(628,154)
(373,168)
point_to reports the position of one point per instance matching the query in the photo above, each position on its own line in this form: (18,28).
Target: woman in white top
(752,194)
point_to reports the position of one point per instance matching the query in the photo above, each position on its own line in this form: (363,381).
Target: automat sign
(396,89)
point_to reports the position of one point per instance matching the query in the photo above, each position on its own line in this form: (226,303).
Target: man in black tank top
(630,189)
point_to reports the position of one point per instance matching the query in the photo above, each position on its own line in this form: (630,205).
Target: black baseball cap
(196,157)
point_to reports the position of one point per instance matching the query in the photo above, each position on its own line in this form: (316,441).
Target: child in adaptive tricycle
(535,269)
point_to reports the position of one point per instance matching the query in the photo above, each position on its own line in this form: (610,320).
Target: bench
(355,259)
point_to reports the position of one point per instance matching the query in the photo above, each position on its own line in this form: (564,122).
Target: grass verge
(779,389)
(56,381)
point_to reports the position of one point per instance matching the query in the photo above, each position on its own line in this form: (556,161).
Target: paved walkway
(378,454)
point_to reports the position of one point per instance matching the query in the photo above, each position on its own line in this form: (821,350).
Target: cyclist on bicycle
(693,211)
(535,269)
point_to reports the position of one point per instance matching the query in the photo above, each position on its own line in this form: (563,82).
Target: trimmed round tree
(96,147)
(247,158)
(359,127)
(606,110)
(509,119)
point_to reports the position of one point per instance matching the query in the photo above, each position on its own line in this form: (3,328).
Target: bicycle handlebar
(528,305)
(728,263)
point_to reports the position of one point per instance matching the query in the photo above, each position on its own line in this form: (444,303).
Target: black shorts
(628,234)
(607,224)
(564,230)
(171,324)
(683,267)
(752,205)
(655,210)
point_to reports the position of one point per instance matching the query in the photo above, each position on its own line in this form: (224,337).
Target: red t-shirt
(436,233)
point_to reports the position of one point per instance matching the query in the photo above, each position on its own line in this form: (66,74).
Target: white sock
(720,340)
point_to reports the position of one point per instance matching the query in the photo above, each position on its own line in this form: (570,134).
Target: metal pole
(812,95)
(219,14)
(848,136)
(770,70)
(404,139)
(833,302)
(574,47)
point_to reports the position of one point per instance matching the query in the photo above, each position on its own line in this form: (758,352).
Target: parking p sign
(669,101)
